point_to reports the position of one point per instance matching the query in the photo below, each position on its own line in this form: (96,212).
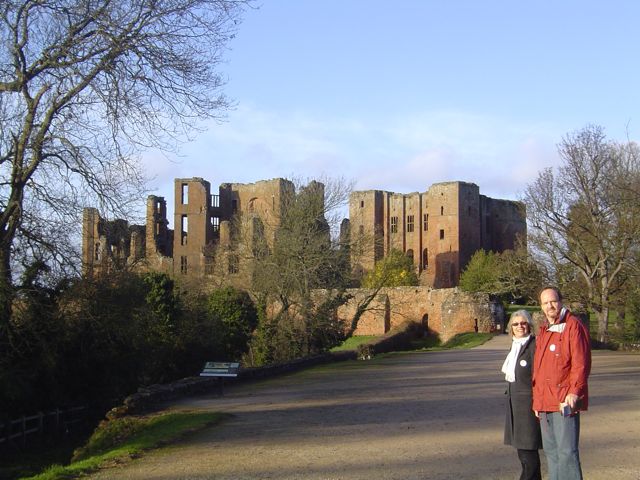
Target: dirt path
(435,415)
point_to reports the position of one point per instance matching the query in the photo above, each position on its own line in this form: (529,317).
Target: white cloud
(397,154)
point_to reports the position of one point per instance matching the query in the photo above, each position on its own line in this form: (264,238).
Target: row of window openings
(97,255)
(184,227)
(441,208)
(469,212)
(214,200)
(233,265)
(410,224)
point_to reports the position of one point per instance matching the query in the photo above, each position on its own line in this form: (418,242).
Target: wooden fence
(21,431)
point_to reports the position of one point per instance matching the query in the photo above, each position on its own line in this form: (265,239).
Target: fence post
(41,425)
(57,421)
(24,430)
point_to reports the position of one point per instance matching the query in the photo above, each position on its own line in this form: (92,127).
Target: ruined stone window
(394,224)
(234,206)
(409,223)
(184,229)
(185,193)
(425,222)
(441,234)
(234,264)
(425,259)
(215,200)
(97,252)
(208,265)
(441,210)
(361,203)
(158,206)
(215,223)
(183,264)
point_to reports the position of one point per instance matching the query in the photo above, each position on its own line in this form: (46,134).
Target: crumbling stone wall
(110,244)
(444,312)
(204,242)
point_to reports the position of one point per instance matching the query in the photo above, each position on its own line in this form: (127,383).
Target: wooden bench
(221,370)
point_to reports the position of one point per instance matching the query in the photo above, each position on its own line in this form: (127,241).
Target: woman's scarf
(509,365)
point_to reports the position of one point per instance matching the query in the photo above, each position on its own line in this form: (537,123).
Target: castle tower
(439,230)
(92,248)
(193,225)
(157,233)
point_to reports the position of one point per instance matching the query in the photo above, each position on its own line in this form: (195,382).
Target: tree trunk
(6,295)
(603,325)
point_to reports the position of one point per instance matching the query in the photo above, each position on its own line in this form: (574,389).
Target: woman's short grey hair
(520,314)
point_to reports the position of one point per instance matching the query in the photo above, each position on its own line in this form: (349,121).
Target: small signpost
(222,370)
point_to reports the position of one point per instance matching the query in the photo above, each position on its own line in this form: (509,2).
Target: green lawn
(352,343)
(462,340)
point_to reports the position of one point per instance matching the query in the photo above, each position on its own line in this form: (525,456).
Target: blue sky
(399,95)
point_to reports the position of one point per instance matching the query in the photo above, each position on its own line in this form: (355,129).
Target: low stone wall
(445,312)
(147,399)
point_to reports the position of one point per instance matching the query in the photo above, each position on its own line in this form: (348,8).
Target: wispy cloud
(398,154)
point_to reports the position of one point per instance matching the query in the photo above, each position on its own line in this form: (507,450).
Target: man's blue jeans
(560,437)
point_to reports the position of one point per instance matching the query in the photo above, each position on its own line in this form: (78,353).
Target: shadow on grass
(462,340)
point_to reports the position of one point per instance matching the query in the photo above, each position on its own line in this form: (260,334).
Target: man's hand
(537,413)
(572,400)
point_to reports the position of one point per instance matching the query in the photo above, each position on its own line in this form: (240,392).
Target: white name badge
(523,363)
(552,347)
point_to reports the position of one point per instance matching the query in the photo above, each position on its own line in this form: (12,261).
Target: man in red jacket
(561,366)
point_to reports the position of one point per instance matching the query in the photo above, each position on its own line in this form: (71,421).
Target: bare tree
(585,221)
(305,255)
(297,265)
(84,85)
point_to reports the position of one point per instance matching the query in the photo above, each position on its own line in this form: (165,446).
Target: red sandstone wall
(187,245)
(445,312)
(458,222)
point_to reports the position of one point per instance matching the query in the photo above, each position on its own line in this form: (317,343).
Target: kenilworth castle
(439,229)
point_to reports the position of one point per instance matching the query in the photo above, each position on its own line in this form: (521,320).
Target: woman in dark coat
(522,428)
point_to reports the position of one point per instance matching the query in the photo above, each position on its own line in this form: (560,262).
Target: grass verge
(125,438)
(462,340)
(352,343)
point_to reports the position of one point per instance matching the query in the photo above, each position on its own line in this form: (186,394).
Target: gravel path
(434,415)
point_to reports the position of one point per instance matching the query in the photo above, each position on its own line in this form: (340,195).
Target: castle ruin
(202,242)
(439,229)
